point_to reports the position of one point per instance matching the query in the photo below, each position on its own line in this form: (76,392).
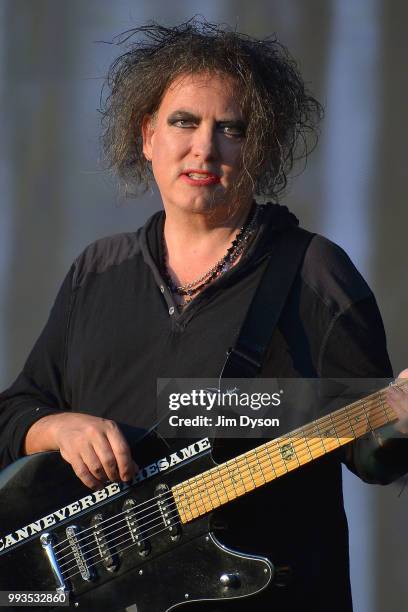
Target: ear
(147,133)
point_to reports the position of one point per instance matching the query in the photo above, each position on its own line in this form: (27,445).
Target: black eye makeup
(182,117)
(234,128)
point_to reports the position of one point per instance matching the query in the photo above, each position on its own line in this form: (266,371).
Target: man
(218,118)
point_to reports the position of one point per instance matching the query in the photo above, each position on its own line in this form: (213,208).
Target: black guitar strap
(245,359)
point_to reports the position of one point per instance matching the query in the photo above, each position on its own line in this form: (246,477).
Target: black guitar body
(143,555)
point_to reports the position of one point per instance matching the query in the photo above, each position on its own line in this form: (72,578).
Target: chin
(205,203)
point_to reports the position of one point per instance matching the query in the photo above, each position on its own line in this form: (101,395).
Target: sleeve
(39,389)
(355,347)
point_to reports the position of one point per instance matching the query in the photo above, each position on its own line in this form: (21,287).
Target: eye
(183,123)
(233,131)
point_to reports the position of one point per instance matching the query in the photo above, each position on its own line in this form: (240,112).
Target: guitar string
(232,484)
(212,483)
(127,538)
(356,406)
(126,525)
(160,523)
(210,498)
(120,551)
(124,541)
(133,544)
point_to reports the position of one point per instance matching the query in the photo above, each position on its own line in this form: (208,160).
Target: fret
(302,449)
(197,496)
(222,474)
(183,503)
(316,446)
(342,426)
(247,455)
(366,418)
(346,412)
(307,445)
(258,469)
(357,420)
(277,457)
(263,464)
(383,408)
(236,477)
(268,447)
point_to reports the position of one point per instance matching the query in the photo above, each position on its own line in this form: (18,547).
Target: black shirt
(114,329)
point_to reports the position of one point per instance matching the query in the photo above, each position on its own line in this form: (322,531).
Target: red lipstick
(199,177)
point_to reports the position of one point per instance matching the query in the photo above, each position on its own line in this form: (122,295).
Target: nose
(205,145)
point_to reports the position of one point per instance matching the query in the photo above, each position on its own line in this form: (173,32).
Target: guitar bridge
(80,554)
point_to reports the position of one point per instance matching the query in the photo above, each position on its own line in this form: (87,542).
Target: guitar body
(124,545)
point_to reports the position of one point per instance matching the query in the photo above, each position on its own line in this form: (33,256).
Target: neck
(257,467)
(183,227)
(195,242)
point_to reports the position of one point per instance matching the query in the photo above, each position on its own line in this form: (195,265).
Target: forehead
(203,93)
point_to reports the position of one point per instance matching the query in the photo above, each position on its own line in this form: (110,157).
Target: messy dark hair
(281,115)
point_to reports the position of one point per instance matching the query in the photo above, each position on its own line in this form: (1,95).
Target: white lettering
(188,452)
(163,464)
(100,495)
(112,488)
(203,445)
(48,520)
(35,527)
(87,501)
(73,508)
(22,533)
(10,540)
(174,459)
(276,400)
(61,514)
(211,398)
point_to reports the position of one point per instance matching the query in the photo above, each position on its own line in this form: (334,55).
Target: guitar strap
(246,358)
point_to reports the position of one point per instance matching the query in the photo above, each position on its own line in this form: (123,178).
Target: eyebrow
(184,114)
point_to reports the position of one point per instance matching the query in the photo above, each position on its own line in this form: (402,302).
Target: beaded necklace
(188,291)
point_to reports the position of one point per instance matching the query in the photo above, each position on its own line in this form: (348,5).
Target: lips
(199,177)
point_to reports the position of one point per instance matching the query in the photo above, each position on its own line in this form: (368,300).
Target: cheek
(232,156)
(167,160)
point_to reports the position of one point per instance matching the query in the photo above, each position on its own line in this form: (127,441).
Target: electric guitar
(150,543)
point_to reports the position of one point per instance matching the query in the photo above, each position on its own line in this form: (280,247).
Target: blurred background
(55,198)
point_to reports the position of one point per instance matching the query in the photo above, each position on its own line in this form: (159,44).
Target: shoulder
(104,253)
(329,272)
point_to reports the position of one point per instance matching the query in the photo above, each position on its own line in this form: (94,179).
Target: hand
(95,447)
(397,398)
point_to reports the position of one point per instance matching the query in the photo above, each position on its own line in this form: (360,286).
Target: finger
(83,473)
(397,394)
(403,374)
(126,466)
(105,453)
(94,463)
(398,400)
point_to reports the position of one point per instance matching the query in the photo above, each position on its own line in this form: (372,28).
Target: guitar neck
(227,481)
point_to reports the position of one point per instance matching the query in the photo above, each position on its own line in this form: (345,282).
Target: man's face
(194,142)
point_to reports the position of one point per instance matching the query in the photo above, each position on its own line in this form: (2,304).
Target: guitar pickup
(168,511)
(79,547)
(136,532)
(108,554)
